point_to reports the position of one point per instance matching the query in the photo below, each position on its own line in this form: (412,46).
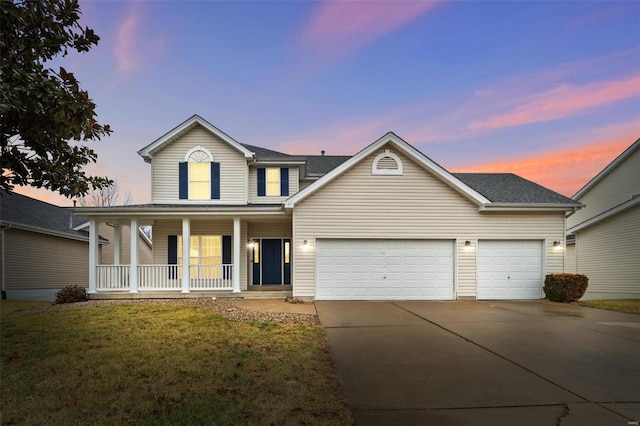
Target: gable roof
(407,149)
(510,188)
(597,178)
(604,215)
(27,213)
(148,151)
(266,153)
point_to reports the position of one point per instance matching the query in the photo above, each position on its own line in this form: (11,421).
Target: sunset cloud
(563,101)
(564,170)
(338,28)
(125,44)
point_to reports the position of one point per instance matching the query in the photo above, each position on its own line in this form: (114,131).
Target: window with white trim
(387,163)
(199,175)
(273,181)
(206,251)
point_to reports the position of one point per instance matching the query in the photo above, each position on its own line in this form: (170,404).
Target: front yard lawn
(630,306)
(161,364)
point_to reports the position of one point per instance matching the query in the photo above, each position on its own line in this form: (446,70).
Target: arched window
(199,175)
(386,163)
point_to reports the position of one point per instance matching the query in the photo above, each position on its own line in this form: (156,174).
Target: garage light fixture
(467,243)
(556,243)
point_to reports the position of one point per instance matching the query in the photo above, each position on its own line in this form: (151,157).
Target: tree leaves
(41,109)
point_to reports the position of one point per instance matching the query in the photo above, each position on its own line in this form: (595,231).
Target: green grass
(630,306)
(161,364)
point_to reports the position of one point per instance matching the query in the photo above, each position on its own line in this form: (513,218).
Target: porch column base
(185,291)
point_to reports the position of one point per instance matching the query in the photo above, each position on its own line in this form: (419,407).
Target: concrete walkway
(485,363)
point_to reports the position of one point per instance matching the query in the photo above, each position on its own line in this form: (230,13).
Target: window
(205,255)
(199,176)
(273,181)
(386,163)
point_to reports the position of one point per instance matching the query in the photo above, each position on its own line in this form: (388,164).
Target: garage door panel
(384,269)
(509,270)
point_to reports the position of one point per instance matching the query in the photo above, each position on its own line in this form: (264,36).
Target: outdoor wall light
(556,243)
(467,243)
(250,244)
(305,242)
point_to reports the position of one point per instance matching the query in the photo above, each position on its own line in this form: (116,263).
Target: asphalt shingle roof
(511,188)
(266,153)
(18,209)
(318,165)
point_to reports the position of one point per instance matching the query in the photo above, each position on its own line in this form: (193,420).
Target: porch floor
(246,294)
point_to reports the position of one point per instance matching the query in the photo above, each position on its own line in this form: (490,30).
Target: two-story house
(386,223)
(603,238)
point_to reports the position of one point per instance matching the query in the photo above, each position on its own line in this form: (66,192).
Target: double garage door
(423,269)
(384,270)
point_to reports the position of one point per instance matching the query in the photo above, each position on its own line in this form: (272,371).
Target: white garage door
(384,270)
(509,269)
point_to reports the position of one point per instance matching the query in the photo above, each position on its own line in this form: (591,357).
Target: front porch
(205,254)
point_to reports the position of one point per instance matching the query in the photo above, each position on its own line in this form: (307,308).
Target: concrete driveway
(493,363)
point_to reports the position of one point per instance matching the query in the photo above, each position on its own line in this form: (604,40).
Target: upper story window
(199,176)
(386,163)
(273,181)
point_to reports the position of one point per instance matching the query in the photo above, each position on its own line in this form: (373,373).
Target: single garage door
(384,269)
(509,269)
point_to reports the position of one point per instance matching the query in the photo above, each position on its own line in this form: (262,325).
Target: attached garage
(510,269)
(349,269)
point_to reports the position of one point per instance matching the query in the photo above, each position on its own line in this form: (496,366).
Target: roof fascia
(279,162)
(147,151)
(52,233)
(531,207)
(129,212)
(593,182)
(407,149)
(604,215)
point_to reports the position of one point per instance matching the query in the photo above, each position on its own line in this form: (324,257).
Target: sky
(547,90)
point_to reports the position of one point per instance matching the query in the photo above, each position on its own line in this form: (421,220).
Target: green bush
(565,287)
(71,294)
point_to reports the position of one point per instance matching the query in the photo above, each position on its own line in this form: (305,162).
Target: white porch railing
(112,277)
(164,277)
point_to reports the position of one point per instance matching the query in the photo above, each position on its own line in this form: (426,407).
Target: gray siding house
(603,238)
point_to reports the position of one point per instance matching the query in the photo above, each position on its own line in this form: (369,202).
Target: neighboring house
(387,223)
(44,248)
(603,238)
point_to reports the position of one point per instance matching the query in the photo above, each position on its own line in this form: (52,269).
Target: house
(387,223)
(603,238)
(44,248)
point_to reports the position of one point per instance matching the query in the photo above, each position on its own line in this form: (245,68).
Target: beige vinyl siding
(145,256)
(270,230)
(466,268)
(614,189)
(415,205)
(609,255)
(233,168)
(163,228)
(570,260)
(41,261)
(253,187)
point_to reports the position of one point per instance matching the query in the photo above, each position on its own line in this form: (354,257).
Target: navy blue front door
(271,261)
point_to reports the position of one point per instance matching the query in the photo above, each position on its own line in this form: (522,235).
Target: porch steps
(253,294)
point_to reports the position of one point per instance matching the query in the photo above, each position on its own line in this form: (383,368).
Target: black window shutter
(215,181)
(172,258)
(183,180)
(262,182)
(284,181)
(226,254)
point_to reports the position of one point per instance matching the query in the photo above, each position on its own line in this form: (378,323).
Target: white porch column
(186,254)
(117,244)
(133,273)
(93,255)
(236,255)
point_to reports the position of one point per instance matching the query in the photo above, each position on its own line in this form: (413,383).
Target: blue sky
(547,90)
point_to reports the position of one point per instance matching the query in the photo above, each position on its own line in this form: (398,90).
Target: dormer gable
(150,150)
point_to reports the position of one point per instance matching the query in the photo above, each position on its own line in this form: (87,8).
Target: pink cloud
(338,28)
(125,44)
(563,101)
(563,170)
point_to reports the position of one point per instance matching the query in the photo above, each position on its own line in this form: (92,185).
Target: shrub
(71,294)
(565,287)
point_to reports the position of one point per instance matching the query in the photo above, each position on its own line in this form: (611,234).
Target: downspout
(4,265)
